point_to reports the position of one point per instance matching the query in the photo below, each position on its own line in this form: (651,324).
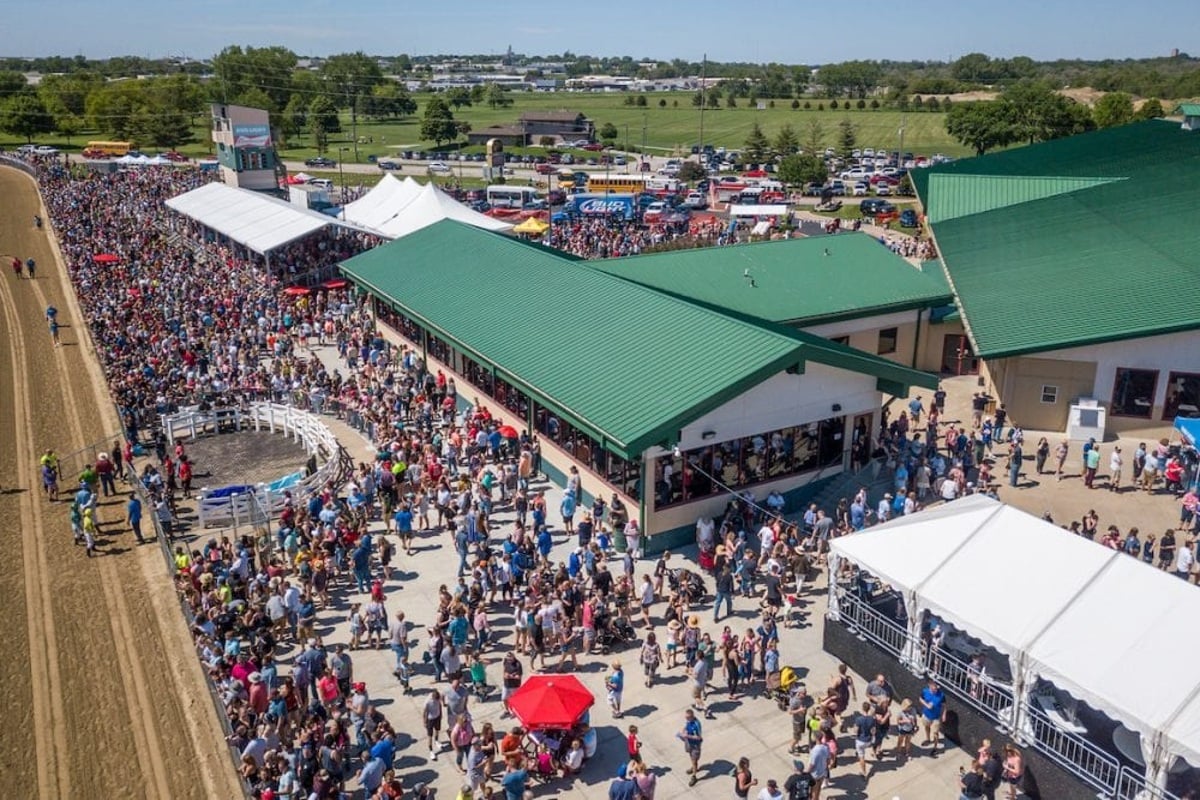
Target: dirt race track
(102,694)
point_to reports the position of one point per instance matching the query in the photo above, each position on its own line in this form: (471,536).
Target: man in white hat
(107,472)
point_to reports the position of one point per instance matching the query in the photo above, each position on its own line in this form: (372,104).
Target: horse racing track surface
(102,692)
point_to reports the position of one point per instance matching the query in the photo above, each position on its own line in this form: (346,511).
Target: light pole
(342,178)
(627,147)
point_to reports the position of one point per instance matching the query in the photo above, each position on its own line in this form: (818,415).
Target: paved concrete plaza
(748,726)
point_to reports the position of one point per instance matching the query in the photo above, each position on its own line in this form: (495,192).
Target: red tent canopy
(106,258)
(508,432)
(296,291)
(550,701)
(335,283)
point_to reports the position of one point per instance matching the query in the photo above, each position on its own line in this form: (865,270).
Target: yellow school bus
(110,148)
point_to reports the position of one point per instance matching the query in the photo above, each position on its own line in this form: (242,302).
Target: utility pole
(703,98)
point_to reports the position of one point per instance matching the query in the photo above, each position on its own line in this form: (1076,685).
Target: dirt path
(104,695)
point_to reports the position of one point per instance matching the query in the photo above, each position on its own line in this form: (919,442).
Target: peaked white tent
(255,220)
(397,208)
(382,203)
(1097,623)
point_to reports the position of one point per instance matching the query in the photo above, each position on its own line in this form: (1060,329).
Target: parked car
(872,207)
(855,174)
(830,206)
(389,165)
(696,200)
(439,168)
(908,218)
(860,189)
(45,150)
(543,169)
(556,197)
(320,161)
(175,155)
(654,211)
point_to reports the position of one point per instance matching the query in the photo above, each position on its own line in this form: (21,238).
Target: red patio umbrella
(335,283)
(507,431)
(550,701)
(296,291)
(106,258)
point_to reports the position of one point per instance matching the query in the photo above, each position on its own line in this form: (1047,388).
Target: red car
(544,169)
(595,147)
(174,155)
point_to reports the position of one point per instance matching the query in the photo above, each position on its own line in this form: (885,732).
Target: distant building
(510,135)
(245,147)
(559,124)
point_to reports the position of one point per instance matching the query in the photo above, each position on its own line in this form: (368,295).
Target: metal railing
(868,623)
(1073,753)
(990,697)
(1132,785)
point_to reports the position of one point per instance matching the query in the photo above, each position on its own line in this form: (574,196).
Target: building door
(860,440)
(957,356)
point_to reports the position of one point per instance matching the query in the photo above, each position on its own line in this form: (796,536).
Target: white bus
(510,196)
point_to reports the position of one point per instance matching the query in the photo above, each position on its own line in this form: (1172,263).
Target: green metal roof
(1188,109)
(954,196)
(628,364)
(1109,261)
(798,281)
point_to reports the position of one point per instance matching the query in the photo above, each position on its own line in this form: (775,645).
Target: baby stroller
(687,583)
(780,685)
(613,633)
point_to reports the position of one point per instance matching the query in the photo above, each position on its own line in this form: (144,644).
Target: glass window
(1133,392)
(1049,394)
(840,340)
(1183,395)
(887,341)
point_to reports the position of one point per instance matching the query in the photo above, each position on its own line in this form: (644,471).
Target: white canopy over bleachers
(254,220)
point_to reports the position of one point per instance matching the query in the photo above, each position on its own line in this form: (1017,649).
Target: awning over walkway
(1097,623)
(254,220)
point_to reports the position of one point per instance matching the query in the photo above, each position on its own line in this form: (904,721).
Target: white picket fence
(253,507)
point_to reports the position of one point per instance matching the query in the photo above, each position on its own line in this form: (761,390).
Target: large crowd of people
(610,237)
(192,323)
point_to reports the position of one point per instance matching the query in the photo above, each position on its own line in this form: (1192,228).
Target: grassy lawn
(666,130)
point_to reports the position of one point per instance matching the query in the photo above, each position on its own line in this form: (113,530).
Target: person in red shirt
(634,745)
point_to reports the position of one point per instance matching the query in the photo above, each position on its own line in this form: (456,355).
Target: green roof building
(614,376)
(848,288)
(1075,266)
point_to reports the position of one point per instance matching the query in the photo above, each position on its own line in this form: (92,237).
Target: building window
(1183,396)
(1049,394)
(1133,392)
(887,341)
(840,340)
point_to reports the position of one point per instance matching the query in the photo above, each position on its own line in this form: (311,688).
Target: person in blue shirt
(133,513)
(575,563)
(567,507)
(404,526)
(544,543)
(693,739)
(933,713)
(515,781)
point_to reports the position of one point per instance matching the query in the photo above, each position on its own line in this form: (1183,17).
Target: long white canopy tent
(397,208)
(1095,622)
(252,219)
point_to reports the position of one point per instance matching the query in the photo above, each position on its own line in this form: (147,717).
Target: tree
(640,101)
(795,104)
(497,97)
(269,69)
(833,104)
(1114,108)
(731,100)
(847,137)
(389,100)
(982,126)
(797,170)
(698,98)
(25,115)
(757,146)
(662,102)
(850,78)
(438,123)
(1151,109)
(786,141)
(13,83)
(814,137)
(608,133)
(691,171)
(874,103)
(294,117)
(933,104)
(322,121)
(458,97)
(462,128)
(1040,114)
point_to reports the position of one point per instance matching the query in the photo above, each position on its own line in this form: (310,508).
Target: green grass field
(666,130)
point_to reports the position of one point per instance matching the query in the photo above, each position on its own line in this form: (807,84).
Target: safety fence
(994,700)
(254,505)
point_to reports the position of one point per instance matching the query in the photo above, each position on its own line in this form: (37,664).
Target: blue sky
(788,31)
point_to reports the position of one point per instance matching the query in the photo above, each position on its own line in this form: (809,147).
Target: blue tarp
(1189,429)
(230,491)
(286,482)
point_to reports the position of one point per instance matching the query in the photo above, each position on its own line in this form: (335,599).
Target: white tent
(1100,625)
(779,210)
(255,220)
(382,203)
(433,205)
